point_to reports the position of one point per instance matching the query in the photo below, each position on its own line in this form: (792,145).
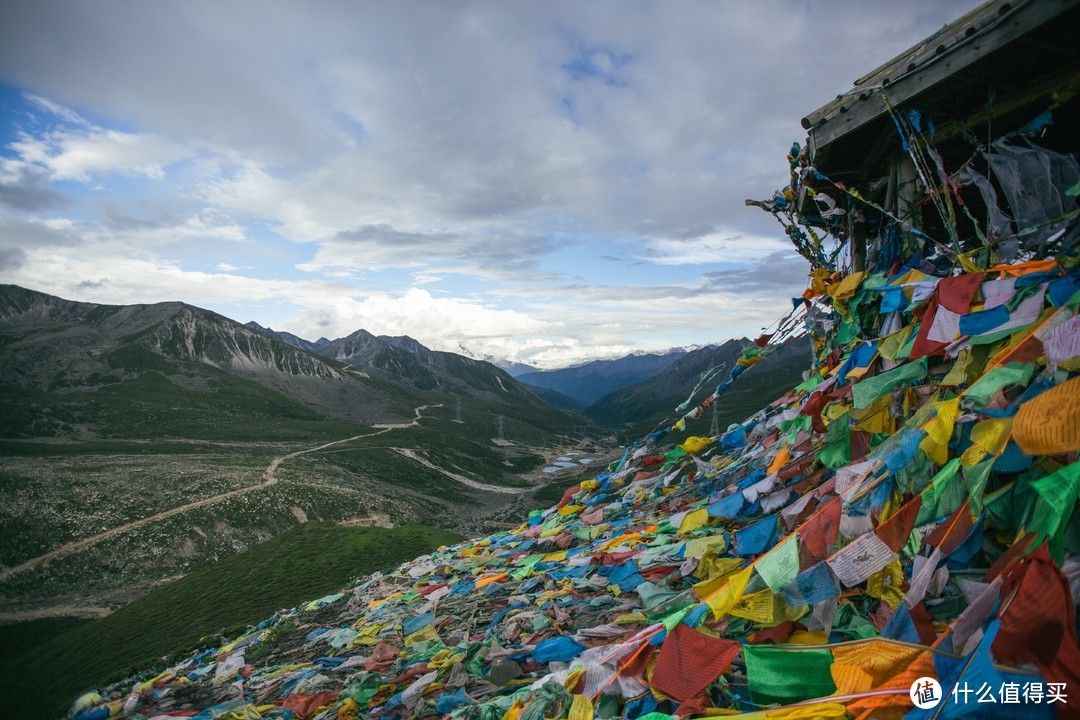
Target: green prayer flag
(976,477)
(1000,377)
(836,453)
(785,675)
(1057,493)
(848,332)
(870,389)
(779,566)
(811,383)
(943,495)
(670,621)
(653,595)
(851,625)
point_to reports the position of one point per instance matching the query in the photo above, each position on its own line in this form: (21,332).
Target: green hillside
(303,563)
(640,409)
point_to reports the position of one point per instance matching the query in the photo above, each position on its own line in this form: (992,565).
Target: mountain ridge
(137,428)
(588,382)
(639,407)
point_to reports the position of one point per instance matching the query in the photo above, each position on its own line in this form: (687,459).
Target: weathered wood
(961,44)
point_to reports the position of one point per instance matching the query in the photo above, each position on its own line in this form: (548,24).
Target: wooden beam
(868,104)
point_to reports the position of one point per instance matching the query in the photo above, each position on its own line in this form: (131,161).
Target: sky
(544,182)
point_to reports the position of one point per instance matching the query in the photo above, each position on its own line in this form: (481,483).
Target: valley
(140,443)
(83,525)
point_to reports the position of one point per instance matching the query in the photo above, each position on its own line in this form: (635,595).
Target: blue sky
(539,182)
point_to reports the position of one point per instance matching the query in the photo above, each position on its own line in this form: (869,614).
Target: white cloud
(510,142)
(80,155)
(57,109)
(250,188)
(721,246)
(82,273)
(441,323)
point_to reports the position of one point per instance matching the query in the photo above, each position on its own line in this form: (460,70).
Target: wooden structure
(901,138)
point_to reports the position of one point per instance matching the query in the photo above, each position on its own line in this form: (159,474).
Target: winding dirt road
(267,480)
(411,454)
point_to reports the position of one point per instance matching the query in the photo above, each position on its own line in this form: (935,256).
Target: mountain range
(639,408)
(59,358)
(145,441)
(585,384)
(574,388)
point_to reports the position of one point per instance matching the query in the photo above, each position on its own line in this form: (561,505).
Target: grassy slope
(650,408)
(153,406)
(18,639)
(304,563)
(53,493)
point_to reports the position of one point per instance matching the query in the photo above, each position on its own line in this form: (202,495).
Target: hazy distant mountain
(557,399)
(653,401)
(589,382)
(515,369)
(404,359)
(664,391)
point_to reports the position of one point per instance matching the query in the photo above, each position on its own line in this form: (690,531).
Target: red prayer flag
(953,294)
(304,705)
(690,660)
(818,534)
(895,531)
(635,663)
(1015,551)
(949,534)
(1039,626)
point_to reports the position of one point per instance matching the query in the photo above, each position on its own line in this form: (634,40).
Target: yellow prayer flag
(581,708)
(425,633)
(987,437)
(756,607)
(939,431)
(722,600)
(845,288)
(1050,423)
(695,444)
(694,520)
(876,417)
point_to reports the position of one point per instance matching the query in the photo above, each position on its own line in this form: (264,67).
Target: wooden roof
(1012,52)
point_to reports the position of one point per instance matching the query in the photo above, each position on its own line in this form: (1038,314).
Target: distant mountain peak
(294,340)
(590,381)
(404,342)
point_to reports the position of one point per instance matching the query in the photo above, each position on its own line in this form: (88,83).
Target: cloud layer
(543,182)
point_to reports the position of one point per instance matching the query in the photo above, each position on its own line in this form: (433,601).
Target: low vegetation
(304,563)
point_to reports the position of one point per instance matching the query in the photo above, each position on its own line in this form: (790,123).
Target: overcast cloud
(543,182)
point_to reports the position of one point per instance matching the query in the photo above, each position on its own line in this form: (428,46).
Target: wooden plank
(868,104)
